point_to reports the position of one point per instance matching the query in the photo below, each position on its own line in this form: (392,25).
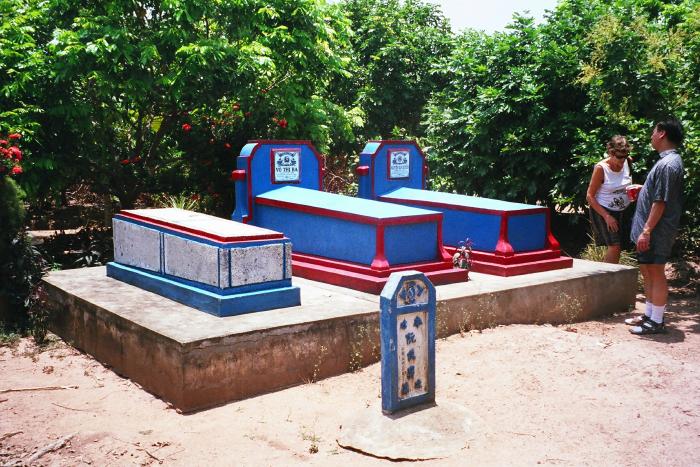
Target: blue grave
(342,240)
(507,238)
(407,330)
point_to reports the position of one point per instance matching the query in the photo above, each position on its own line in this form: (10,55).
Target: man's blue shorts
(650,257)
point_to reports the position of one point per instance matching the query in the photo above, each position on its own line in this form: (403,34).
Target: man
(655,224)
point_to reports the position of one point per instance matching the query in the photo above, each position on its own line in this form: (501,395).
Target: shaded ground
(538,395)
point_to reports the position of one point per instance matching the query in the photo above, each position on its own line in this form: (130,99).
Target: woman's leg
(612,255)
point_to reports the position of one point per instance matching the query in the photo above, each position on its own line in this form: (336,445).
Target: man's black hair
(673,129)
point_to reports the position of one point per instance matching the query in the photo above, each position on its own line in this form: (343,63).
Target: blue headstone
(407,326)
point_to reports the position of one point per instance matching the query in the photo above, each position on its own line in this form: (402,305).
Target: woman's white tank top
(612,194)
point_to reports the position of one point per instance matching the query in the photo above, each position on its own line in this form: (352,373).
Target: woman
(607,196)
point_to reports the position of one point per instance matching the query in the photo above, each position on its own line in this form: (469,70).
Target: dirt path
(539,395)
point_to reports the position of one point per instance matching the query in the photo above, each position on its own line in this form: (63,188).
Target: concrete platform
(196,360)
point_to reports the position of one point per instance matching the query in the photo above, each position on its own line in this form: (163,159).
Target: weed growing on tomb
(319,360)
(441,322)
(480,316)
(363,336)
(569,308)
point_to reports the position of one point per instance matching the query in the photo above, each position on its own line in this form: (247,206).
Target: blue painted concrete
(455,199)
(204,300)
(342,204)
(392,312)
(527,232)
(378,161)
(410,243)
(320,235)
(260,176)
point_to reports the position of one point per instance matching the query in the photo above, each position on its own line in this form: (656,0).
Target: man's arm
(644,239)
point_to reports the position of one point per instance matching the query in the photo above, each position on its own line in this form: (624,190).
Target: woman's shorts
(601,234)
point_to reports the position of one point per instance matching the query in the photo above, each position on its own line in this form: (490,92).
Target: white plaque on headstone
(287,165)
(399,163)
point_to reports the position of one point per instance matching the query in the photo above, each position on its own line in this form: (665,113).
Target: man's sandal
(649,326)
(637,320)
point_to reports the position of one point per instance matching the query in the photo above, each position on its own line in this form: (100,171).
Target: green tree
(395,45)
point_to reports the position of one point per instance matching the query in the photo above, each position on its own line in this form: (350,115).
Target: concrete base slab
(433,431)
(196,360)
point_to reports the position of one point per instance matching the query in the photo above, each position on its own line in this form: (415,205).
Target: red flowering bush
(10,155)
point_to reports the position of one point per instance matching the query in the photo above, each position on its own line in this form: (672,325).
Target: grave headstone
(407,328)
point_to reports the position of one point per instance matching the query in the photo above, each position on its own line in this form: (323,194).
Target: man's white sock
(647,310)
(657,313)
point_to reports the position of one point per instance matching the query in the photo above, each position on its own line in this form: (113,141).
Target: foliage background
(138,99)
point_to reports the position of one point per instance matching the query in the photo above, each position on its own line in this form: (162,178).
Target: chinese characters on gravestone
(408,341)
(399,164)
(286,164)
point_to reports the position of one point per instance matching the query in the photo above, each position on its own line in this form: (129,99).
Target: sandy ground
(593,395)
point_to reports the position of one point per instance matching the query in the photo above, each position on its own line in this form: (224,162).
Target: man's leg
(659,291)
(656,291)
(647,278)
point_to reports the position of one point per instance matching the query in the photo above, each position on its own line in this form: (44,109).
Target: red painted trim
(523,212)
(238,175)
(272,166)
(362,170)
(442,252)
(379,262)
(503,246)
(506,270)
(383,143)
(364,269)
(551,242)
(339,274)
(437,217)
(517,258)
(388,165)
(199,233)
(249,160)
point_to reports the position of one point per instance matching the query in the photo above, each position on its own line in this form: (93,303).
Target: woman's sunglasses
(621,153)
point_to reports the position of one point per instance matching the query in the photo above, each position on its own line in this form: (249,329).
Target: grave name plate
(407,327)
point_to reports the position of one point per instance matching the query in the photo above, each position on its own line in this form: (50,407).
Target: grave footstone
(407,326)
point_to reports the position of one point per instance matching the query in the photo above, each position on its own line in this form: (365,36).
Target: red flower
(16,153)
(6,153)
(16,170)
(236,107)
(195,197)
(186,127)
(227,146)
(3,142)
(124,162)
(282,123)
(136,159)
(15,136)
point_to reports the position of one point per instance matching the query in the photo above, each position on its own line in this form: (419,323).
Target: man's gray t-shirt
(664,183)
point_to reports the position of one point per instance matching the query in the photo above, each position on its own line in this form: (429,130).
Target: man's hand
(644,241)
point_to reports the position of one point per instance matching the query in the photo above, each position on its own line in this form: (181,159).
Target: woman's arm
(593,187)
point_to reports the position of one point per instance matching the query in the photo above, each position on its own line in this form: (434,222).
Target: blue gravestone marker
(408,341)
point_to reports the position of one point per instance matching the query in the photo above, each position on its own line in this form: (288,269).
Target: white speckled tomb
(187,251)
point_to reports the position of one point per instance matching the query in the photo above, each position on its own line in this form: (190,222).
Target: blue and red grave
(507,238)
(218,266)
(341,240)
